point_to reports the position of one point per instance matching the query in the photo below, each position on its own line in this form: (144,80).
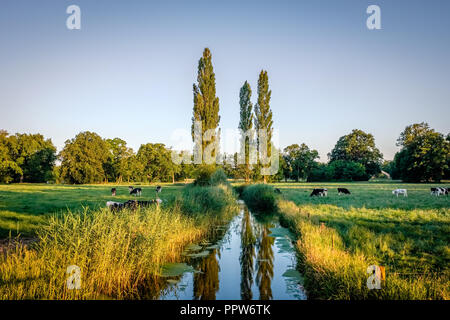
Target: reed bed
(119,254)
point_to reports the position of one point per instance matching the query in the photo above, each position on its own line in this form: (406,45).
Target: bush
(208,199)
(210,176)
(239,190)
(339,170)
(260,198)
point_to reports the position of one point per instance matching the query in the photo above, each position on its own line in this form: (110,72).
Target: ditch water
(252,257)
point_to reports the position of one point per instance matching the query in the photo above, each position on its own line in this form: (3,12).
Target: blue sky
(129,71)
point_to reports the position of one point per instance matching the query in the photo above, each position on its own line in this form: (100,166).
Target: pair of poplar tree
(206,109)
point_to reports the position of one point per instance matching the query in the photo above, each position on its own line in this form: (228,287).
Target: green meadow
(24,207)
(339,236)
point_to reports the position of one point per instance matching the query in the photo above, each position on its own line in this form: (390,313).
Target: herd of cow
(435,191)
(132,204)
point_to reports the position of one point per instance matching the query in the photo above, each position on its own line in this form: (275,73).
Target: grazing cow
(158,189)
(400,191)
(113,192)
(343,191)
(136,192)
(438,191)
(319,192)
(277,191)
(131,204)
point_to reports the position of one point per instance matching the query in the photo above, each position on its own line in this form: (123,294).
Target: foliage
(263,113)
(156,162)
(26,158)
(245,125)
(83,159)
(358,146)
(206,104)
(300,161)
(260,198)
(425,154)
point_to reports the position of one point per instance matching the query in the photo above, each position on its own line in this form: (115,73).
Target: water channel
(252,257)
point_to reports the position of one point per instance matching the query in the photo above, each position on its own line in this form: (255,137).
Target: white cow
(400,191)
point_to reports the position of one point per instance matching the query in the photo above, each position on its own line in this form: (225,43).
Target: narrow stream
(251,258)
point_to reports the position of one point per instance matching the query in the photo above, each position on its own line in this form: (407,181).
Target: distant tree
(8,167)
(118,159)
(156,161)
(300,160)
(263,113)
(319,172)
(83,159)
(245,125)
(358,146)
(206,104)
(424,155)
(34,155)
(342,170)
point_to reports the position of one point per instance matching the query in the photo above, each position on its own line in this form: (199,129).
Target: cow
(400,191)
(437,191)
(136,192)
(131,204)
(277,191)
(158,189)
(343,191)
(322,192)
(113,192)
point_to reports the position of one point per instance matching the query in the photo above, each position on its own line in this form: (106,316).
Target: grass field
(120,254)
(24,207)
(340,236)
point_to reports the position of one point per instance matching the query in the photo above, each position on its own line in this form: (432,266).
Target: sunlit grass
(120,254)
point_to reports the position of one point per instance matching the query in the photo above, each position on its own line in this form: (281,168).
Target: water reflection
(264,273)
(249,259)
(206,282)
(248,242)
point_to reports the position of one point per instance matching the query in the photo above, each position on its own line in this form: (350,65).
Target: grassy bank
(25,207)
(340,236)
(119,254)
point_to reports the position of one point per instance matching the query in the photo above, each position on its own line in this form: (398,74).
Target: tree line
(89,158)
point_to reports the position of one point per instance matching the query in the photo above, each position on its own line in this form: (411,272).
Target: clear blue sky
(129,71)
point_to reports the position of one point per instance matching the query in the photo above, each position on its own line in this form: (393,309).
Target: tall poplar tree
(245,124)
(263,114)
(206,104)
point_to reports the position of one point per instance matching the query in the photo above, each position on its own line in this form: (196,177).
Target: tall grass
(337,245)
(119,254)
(260,198)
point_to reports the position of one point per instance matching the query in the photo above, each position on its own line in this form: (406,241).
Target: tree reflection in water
(264,273)
(248,242)
(206,282)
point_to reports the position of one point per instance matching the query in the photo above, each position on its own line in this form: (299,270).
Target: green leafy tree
(424,155)
(34,155)
(300,160)
(206,104)
(263,113)
(245,125)
(358,146)
(117,160)
(8,167)
(156,162)
(83,159)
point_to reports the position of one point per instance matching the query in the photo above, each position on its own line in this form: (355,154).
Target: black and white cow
(158,189)
(343,191)
(277,191)
(113,192)
(437,191)
(321,192)
(136,192)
